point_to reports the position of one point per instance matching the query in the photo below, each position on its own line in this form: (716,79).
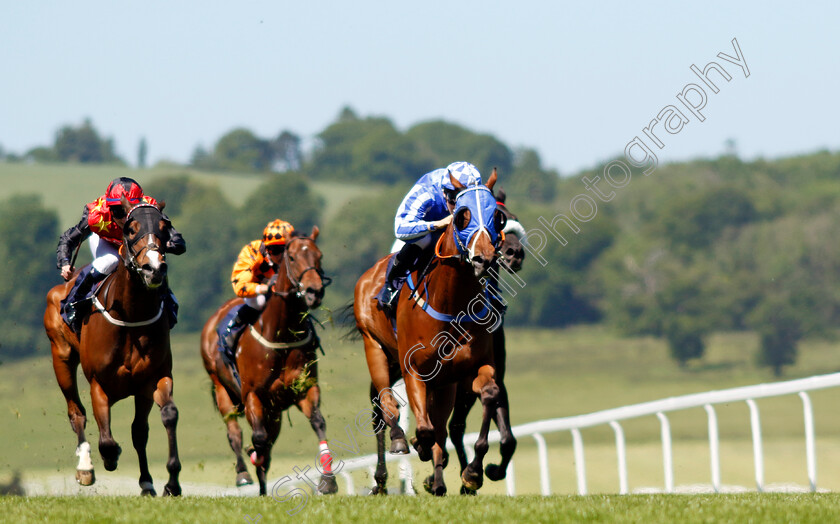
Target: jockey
(424,212)
(102,221)
(253,269)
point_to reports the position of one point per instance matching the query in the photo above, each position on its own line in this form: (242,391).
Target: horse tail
(347,319)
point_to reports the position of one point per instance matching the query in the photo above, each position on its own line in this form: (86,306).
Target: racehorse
(434,351)
(277,363)
(123,348)
(512,255)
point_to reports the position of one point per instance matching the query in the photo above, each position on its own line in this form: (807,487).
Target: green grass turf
(801,508)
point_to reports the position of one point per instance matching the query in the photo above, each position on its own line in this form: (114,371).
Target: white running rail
(613,417)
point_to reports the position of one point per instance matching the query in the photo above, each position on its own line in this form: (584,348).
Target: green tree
(361,233)
(241,150)
(449,142)
(142,152)
(286,152)
(84,145)
(369,149)
(695,220)
(286,196)
(28,233)
(529,179)
(779,326)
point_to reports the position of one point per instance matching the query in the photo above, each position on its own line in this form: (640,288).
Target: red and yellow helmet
(123,186)
(277,232)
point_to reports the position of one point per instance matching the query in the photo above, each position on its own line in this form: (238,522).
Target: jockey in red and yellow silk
(102,222)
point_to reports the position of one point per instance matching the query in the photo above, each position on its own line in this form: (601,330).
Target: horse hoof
(472,480)
(85,478)
(147,490)
(439,491)
(244,479)
(495,472)
(378,490)
(428,482)
(470,492)
(327,486)
(172,491)
(399,447)
(256,460)
(423,452)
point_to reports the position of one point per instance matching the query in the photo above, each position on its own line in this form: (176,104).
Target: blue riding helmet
(466,173)
(482,205)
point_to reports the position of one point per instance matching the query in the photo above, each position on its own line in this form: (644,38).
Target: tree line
(695,248)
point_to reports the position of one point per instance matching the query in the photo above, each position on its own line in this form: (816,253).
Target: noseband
(295,281)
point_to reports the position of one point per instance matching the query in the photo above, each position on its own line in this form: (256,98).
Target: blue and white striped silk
(426,203)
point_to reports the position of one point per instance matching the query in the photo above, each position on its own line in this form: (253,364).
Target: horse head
(303,269)
(145,234)
(512,249)
(477,223)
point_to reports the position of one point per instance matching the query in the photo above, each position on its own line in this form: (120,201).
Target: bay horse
(512,255)
(277,363)
(123,348)
(434,351)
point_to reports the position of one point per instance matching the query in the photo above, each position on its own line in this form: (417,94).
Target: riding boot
(404,262)
(230,331)
(84,283)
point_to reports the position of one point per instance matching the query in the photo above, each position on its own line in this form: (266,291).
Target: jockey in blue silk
(423,214)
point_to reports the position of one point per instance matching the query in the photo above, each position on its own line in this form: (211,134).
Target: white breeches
(106,256)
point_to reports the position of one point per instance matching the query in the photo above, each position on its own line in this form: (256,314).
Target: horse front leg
(265,431)
(507,442)
(464,401)
(108,447)
(440,407)
(234,431)
(380,476)
(485,386)
(65,364)
(310,407)
(425,433)
(169,417)
(139,438)
(382,396)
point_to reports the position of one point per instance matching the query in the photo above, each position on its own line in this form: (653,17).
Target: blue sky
(575,82)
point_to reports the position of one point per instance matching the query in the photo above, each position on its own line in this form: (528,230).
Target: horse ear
(161,205)
(454,181)
(501,196)
(315,232)
(492,181)
(126,205)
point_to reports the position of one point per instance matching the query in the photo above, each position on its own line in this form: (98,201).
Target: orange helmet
(277,232)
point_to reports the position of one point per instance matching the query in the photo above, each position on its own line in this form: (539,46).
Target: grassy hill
(67,187)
